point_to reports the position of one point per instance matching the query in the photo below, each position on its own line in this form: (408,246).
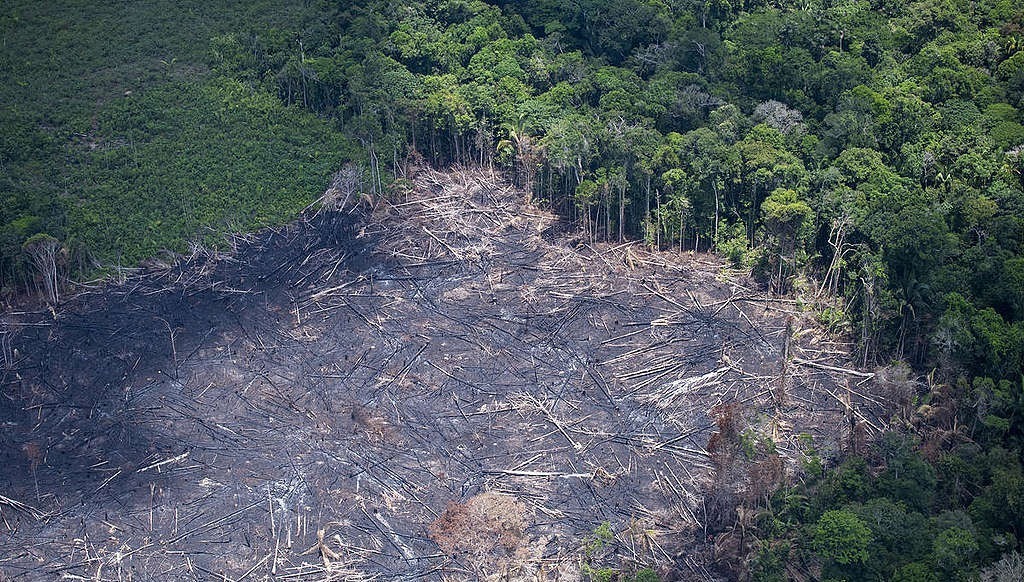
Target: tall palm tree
(527,153)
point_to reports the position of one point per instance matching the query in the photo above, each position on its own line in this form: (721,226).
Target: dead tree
(45,252)
(345,183)
(6,353)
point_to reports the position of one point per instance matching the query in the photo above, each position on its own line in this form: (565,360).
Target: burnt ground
(448,387)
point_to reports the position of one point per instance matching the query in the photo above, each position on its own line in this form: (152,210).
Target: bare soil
(451,386)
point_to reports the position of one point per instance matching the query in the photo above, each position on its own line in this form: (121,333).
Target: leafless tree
(653,56)
(346,183)
(46,254)
(1009,569)
(779,115)
(6,353)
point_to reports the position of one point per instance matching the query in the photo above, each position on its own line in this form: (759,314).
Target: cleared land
(450,385)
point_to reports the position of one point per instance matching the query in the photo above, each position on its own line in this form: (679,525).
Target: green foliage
(595,551)
(39,239)
(769,562)
(732,242)
(644,575)
(898,534)
(748,443)
(890,521)
(786,215)
(907,477)
(598,574)
(914,572)
(953,549)
(118,140)
(981,339)
(602,536)
(216,156)
(849,482)
(841,537)
(832,319)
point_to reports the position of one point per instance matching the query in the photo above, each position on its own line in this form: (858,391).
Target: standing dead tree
(6,352)
(346,183)
(45,252)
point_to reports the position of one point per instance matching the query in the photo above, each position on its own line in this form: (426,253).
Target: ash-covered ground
(451,386)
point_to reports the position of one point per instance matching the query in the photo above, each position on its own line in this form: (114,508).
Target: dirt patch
(313,405)
(488,530)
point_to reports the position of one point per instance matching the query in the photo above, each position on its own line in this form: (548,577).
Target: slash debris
(450,385)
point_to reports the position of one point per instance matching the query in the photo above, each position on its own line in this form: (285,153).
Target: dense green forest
(865,156)
(119,142)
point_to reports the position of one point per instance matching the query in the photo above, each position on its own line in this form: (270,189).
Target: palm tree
(527,153)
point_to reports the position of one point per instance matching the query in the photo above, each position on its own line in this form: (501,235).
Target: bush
(732,243)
